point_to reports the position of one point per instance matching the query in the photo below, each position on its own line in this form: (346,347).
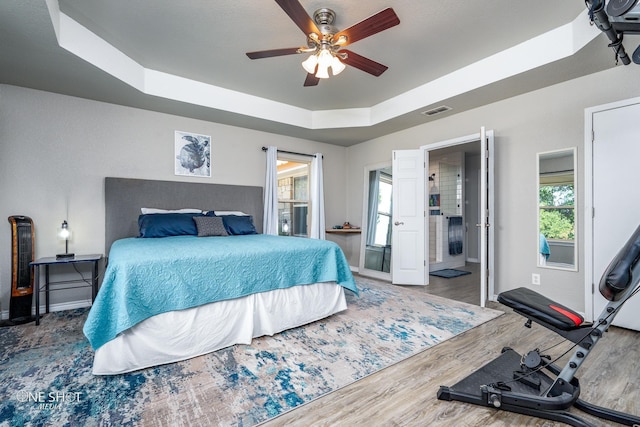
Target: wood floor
(463,288)
(405,394)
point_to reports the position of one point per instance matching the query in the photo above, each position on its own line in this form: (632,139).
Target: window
(293,197)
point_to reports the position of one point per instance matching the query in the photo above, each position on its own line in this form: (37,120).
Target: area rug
(449,273)
(45,371)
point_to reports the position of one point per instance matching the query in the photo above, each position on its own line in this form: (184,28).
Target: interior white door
(408,257)
(616,205)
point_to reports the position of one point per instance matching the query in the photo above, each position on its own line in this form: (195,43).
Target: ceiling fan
(325,43)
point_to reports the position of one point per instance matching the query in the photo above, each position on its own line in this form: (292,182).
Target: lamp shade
(337,66)
(64,232)
(323,72)
(310,63)
(324,62)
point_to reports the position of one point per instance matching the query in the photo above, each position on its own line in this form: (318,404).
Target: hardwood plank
(405,394)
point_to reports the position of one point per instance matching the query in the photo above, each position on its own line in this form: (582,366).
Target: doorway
(414,205)
(454,192)
(453,187)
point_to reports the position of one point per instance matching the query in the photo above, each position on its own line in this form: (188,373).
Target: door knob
(398,223)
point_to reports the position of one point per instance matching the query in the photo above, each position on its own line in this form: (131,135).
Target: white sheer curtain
(317,230)
(270,217)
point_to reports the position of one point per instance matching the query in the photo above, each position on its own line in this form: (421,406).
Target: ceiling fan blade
(365,64)
(381,21)
(296,12)
(273,52)
(311,80)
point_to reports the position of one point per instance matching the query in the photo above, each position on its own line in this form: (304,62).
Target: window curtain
(317,199)
(374,190)
(270,217)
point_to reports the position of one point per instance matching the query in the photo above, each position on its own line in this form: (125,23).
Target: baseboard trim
(71,305)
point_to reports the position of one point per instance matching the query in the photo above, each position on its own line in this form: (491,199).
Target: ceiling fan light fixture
(325,60)
(337,66)
(310,63)
(325,42)
(323,72)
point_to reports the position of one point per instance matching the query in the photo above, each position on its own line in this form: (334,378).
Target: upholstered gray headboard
(125,196)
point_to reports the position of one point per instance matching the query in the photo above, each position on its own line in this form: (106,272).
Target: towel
(545,251)
(456,234)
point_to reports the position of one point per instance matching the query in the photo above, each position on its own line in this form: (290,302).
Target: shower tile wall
(450,189)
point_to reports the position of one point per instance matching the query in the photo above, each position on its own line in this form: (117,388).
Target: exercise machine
(532,384)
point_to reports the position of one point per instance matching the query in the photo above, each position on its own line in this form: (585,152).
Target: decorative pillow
(146,211)
(237,225)
(210,226)
(167,224)
(225,213)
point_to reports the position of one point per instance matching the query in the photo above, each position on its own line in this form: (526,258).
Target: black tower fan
(22,254)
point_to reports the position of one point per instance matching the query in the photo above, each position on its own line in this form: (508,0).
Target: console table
(343,231)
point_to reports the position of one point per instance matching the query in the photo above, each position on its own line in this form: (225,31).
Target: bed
(166,299)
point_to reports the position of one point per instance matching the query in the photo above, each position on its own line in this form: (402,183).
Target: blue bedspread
(146,277)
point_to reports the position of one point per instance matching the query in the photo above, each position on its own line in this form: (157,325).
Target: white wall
(57,150)
(548,119)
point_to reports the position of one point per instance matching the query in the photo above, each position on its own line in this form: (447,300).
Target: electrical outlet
(535,279)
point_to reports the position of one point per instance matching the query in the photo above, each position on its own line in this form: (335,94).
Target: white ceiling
(206,41)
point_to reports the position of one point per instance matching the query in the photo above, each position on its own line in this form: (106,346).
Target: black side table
(49,261)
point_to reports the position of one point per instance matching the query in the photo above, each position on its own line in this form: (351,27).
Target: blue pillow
(169,224)
(237,225)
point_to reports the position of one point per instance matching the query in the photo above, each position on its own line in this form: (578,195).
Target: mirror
(557,246)
(375,247)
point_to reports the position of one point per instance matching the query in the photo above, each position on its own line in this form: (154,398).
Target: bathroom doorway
(470,247)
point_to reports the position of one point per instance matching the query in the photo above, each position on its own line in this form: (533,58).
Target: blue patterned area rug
(46,380)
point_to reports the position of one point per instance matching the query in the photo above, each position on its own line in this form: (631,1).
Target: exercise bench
(531,384)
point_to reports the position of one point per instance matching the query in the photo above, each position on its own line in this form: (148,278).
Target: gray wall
(56,151)
(548,119)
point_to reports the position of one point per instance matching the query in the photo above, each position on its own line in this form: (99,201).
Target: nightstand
(53,261)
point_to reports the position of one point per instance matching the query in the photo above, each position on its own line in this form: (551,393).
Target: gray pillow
(210,226)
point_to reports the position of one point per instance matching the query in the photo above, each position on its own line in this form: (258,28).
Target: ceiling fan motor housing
(324,19)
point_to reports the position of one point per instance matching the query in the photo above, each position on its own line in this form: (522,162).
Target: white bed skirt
(179,335)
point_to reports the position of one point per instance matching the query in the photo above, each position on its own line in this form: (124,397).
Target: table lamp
(64,233)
